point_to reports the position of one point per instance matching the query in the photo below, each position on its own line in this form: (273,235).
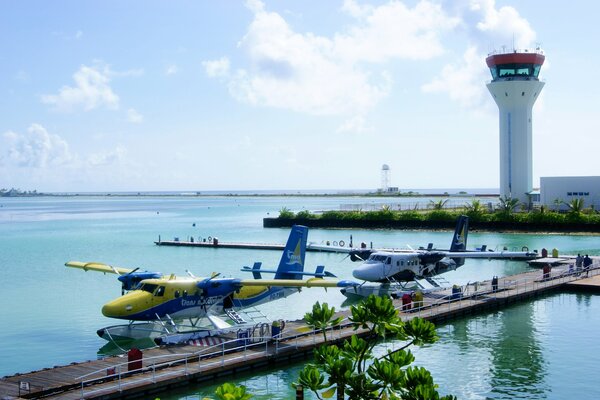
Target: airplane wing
(312,282)
(490,254)
(98,267)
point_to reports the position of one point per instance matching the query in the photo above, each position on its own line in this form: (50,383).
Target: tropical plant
(286,213)
(355,371)
(557,203)
(322,317)
(475,208)
(438,205)
(507,205)
(575,206)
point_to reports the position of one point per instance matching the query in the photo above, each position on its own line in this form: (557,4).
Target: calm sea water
(541,349)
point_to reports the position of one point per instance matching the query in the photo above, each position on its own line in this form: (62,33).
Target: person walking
(578,263)
(587,263)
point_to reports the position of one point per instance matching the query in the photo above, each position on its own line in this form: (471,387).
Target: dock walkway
(171,366)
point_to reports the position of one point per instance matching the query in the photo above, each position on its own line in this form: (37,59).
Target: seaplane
(151,300)
(394,271)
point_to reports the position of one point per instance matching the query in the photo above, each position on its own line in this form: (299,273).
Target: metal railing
(506,287)
(159,367)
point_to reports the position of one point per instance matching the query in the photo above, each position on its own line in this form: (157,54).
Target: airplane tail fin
(294,253)
(459,240)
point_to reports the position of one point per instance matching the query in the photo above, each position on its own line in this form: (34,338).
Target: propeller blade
(132,271)
(190,273)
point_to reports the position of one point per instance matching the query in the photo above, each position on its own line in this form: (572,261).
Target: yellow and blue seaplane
(165,301)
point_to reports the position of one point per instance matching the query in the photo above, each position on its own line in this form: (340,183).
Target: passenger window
(389,260)
(176,294)
(184,293)
(160,291)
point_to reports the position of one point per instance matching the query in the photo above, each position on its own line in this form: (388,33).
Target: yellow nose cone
(127,306)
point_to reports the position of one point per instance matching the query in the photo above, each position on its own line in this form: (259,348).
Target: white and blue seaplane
(396,271)
(157,304)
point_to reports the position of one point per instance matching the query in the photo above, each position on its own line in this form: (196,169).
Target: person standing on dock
(587,263)
(578,263)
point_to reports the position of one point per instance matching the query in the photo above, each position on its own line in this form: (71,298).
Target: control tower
(515,87)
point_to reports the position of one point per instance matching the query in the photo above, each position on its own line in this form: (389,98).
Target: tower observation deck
(515,87)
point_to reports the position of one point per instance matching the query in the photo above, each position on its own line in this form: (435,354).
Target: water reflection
(517,363)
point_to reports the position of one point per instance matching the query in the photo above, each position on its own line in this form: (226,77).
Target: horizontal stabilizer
(319,273)
(312,282)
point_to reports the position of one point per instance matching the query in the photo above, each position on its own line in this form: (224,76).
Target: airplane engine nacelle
(218,287)
(360,255)
(132,279)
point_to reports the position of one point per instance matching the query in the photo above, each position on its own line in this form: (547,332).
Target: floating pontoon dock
(166,367)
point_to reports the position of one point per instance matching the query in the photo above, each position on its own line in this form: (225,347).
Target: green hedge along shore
(585,221)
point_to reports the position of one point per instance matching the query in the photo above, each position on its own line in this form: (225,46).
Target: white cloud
(502,26)
(134,117)
(171,69)
(339,75)
(115,156)
(37,148)
(462,81)
(91,91)
(216,68)
(355,124)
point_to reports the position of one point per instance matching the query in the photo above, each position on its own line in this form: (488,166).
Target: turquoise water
(539,349)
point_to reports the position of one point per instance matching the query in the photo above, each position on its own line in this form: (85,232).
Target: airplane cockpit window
(160,291)
(148,287)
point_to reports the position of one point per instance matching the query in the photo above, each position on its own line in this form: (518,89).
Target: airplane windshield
(378,258)
(148,287)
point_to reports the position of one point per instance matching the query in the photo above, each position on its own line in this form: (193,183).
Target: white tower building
(515,87)
(385,177)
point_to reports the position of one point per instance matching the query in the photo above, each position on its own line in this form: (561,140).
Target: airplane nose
(116,309)
(369,272)
(124,307)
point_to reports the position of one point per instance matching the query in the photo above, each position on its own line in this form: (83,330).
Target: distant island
(19,193)
(255,193)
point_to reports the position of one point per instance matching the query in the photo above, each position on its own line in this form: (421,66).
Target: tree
(438,205)
(474,209)
(575,206)
(286,213)
(355,371)
(557,202)
(321,317)
(507,205)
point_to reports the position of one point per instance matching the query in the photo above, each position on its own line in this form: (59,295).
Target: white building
(557,190)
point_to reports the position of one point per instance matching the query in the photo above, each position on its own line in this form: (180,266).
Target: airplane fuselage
(180,297)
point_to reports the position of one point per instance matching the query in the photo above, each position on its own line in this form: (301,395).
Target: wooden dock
(217,244)
(163,368)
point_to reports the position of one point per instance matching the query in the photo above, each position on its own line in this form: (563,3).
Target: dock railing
(160,367)
(242,349)
(506,287)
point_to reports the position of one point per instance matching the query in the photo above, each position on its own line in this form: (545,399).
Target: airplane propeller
(125,283)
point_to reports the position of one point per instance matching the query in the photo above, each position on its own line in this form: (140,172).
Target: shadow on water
(119,347)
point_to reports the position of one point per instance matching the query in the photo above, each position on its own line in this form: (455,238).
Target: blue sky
(207,95)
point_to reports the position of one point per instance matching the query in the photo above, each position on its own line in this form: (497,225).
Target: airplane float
(394,270)
(153,297)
